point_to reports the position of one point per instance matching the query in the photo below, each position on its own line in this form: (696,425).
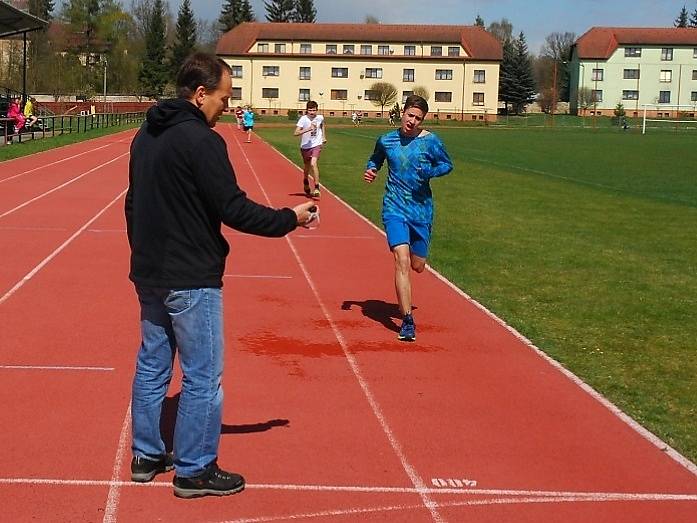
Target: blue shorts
(401,231)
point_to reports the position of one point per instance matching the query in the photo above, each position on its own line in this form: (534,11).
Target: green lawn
(582,240)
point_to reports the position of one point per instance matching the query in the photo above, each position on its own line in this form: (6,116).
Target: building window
(339,94)
(630,95)
(269,92)
(305,73)
(410,50)
(305,48)
(236,71)
(694,74)
(263,48)
(694,53)
(349,48)
(331,49)
(405,95)
(366,49)
(444,74)
(279,48)
(633,52)
(631,74)
(407,75)
(444,96)
(303,95)
(477,98)
(597,75)
(479,76)
(270,70)
(693,96)
(236,93)
(370,95)
(597,95)
(383,49)
(436,50)
(667,54)
(339,72)
(373,72)
(665,76)
(453,51)
(664,97)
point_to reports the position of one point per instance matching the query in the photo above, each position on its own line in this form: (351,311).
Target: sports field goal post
(667,115)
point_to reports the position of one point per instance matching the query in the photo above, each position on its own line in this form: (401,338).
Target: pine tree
(305,11)
(524,80)
(479,21)
(693,18)
(229,15)
(681,20)
(185,39)
(279,10)
(507,73)
(41,8)
(153,69)
(246,12)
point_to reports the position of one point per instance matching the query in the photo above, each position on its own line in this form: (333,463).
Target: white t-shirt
(313,138)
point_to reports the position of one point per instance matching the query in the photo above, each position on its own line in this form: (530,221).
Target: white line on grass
(55,367)
(377,411)
(55,253)
(643,432)
(62,185)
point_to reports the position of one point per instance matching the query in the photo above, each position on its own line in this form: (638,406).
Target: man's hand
(369,175)
(304,213)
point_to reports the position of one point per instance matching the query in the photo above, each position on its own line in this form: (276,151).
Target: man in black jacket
(182,188)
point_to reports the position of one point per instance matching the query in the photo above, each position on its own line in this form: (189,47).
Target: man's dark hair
(311,105)
(200,69)
(416,101)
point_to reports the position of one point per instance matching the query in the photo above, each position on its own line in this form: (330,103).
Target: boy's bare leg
(402,282)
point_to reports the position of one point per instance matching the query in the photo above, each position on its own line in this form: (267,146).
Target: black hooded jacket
(181,188)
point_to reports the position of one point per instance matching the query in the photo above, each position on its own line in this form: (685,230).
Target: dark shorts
(248,127)
(312,152)
(401,231)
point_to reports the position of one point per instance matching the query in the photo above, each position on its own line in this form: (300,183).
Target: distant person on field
(313,136)
(354,118)
(413,156)
(248,120)
(31,119)
(239,114)
(359,117)
(182,188)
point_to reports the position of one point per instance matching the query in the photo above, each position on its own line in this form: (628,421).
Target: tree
(153,70)
(557,50)
(279,10)
(585,97)
(421,91)
(305,11)
(383,93)
(229,15)
(681,20)
(41,8)
(502,30)
(370,19)
(246,12)
(185,39)
(479,21)
(693,18)
(524,83)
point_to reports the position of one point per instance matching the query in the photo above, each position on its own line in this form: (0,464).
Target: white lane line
(260,276)
(72,180)
(58,161)
(501,493)
(112,502)
(55,253)
(99,231)
(33,229)
(332,237)
(350,358)
(614,409)
(55,367)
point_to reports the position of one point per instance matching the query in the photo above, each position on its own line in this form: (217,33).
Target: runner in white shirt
(313,135)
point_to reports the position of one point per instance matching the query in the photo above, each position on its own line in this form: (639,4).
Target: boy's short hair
(311,105)
(417,101)
(200,69)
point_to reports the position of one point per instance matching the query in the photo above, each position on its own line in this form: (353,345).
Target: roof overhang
(14,22)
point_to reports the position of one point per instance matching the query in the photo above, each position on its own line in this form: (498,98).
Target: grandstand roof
(13,21)
(601,42)
(478,43)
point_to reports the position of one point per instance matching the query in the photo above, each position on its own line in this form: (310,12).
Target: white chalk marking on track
(56,162)
(55,253)
(614,409)
(99,231)
(332,237)
(33,229)
(259,276)
(350,358)
(112,502)
(58,187)
(55,367)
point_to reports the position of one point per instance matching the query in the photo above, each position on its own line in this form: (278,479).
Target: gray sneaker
(144,469)
(211,482)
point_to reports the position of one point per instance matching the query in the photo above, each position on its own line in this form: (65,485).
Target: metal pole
(24,70)
(554,91)
(643,125)
(105,64)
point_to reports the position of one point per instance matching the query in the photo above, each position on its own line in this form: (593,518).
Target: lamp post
(104,63)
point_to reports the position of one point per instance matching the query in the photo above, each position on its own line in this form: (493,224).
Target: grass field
(582,240)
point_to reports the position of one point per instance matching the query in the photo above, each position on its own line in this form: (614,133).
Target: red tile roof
(476,41)
(601,42)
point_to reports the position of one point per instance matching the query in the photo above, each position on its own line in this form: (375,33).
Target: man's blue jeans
(189,321)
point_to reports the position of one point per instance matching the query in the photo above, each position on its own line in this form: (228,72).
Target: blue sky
(536,18)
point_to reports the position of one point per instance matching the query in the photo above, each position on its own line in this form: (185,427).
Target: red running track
(327,415)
